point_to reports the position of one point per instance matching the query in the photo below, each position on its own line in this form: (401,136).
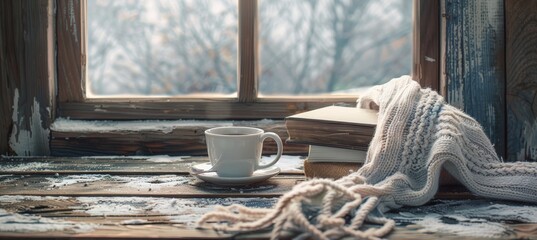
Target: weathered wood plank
(144,217)
(155,165)
(8,70)
(127,232)
(521,64)
(115,209)
(159,231)
(143,185)
(221,109)
(248,81)
(160,186)
(71,35)
(120,166)
(177,140)
(474,63)
(426,40)
(113,217)
(27,73)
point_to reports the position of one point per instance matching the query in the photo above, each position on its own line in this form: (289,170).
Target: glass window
(332,46)
(189,47)
(162,48)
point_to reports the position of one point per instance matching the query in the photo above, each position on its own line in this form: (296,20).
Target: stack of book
(338,139)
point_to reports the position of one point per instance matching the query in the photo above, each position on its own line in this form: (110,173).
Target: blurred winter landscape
(182,47)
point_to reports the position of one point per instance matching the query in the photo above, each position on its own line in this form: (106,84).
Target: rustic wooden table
(140,198)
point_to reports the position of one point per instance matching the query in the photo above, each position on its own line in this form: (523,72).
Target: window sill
(144,197)
(149,137)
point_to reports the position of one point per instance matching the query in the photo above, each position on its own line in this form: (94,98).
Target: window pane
(327,46)
(166,47)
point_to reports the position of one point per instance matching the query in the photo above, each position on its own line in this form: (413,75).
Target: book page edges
(357,116)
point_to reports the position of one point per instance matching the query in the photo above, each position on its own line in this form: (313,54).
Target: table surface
(143,197)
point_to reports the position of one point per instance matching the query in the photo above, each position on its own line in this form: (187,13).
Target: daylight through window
(189,47)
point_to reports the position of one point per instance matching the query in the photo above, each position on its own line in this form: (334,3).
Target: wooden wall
(489,70)
(26,74)
(474,70)
(521,67)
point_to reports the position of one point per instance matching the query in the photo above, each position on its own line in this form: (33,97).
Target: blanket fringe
(291,212)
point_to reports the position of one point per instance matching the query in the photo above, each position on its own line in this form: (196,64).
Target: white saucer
(212,177)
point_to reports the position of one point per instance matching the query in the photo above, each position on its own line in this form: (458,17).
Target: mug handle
(280,147)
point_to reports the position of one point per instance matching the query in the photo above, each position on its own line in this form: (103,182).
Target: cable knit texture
(417,134)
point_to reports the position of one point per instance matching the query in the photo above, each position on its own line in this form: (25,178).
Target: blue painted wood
(474,63)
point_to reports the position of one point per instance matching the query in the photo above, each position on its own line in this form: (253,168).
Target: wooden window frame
(72,102)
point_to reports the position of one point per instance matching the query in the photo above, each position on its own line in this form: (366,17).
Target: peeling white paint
(28,142)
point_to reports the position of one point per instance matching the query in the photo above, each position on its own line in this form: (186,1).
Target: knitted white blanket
(417,134)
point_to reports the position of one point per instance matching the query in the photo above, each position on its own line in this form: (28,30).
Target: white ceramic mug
(236,151)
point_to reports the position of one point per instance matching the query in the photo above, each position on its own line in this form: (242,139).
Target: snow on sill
(178,210)
(287,163)
(470,218)
(465,218)
(24,223)
(164,126)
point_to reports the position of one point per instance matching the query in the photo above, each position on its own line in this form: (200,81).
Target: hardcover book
(329,169)
(329,162)
(333,126)
(335,155)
